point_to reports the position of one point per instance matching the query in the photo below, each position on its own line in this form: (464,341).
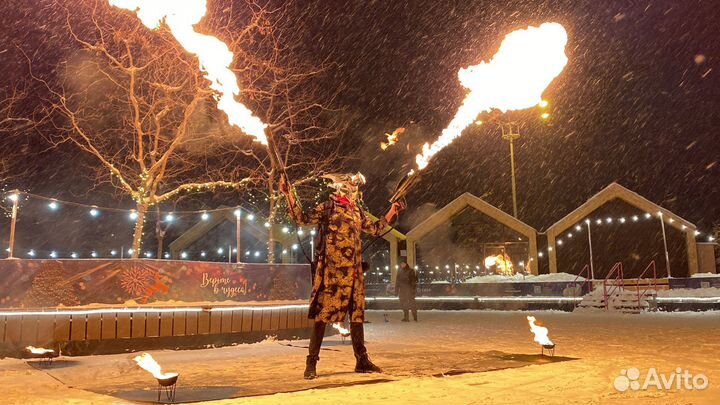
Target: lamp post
(667,255)
(511,132)
(14,197)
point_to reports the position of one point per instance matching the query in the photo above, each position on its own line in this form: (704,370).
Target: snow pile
(701,275)
(690,292)
(554,277)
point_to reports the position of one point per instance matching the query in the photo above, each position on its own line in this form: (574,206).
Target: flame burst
(392,139)
(148,363)
(214,55)
(503,264)
(541,332)
(515,78)
(39,350)
(341,329)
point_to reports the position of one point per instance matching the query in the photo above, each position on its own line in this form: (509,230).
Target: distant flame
(392,138)
(39,350)
(341,329)
(148,363)
(502,263)
(541,332)
(214,55)
(515,78)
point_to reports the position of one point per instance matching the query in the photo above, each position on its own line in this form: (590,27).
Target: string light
(300,232)
(285,229)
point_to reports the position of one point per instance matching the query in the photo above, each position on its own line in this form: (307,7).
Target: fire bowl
(169,380)
(550,346)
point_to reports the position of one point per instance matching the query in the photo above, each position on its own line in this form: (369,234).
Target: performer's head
(346,184)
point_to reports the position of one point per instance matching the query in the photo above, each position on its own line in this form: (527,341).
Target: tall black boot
(363,363)
(406,313)
(316,338)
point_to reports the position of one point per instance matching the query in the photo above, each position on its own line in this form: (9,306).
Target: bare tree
(285,93)
(136,102)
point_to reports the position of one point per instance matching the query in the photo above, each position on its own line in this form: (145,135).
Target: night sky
(638,102)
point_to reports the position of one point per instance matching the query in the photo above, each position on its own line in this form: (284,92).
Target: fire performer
(338,280)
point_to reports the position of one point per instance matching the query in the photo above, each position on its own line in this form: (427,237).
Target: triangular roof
(611,192)
(469,200)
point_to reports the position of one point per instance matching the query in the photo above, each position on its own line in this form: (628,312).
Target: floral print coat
(339,283)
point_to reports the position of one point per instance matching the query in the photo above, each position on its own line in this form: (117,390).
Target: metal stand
(169,386)
(549,348)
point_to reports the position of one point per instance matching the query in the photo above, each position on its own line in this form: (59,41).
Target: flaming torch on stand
(344,332)
(166,381)
(541,336)
(45,355)
(527,61)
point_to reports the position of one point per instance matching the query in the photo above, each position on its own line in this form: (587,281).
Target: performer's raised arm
(378,227)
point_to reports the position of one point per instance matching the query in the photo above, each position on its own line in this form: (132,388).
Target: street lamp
(511,132)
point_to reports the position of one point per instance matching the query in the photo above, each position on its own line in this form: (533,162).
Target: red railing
(650,266)
(585,270)
(616,274)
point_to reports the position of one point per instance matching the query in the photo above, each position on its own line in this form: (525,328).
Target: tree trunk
(159,233)
(138,234)
(271,217)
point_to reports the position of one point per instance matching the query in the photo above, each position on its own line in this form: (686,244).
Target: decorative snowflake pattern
(136,280)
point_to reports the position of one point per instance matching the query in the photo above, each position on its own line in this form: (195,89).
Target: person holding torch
(338,281)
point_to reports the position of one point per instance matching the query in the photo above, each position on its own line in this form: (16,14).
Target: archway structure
(464,201)
(616,191)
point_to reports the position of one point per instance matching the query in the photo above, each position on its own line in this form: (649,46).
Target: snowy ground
(493,348)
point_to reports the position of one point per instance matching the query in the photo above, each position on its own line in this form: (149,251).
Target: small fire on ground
(39,350)
(541,332)
(148,363)
(343,331)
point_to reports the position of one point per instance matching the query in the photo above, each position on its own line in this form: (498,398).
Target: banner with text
(50,283)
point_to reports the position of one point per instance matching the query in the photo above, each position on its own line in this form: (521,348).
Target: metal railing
(653,285)
(585,270)
(616,275)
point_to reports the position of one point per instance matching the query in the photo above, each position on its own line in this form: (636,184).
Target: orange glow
(540,332)
(148,363)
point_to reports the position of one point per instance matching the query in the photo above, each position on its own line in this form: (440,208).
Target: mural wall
(50,283)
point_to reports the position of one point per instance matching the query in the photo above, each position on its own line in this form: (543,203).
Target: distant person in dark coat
(405,288)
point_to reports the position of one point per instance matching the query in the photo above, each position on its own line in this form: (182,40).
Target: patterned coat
(339,283)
